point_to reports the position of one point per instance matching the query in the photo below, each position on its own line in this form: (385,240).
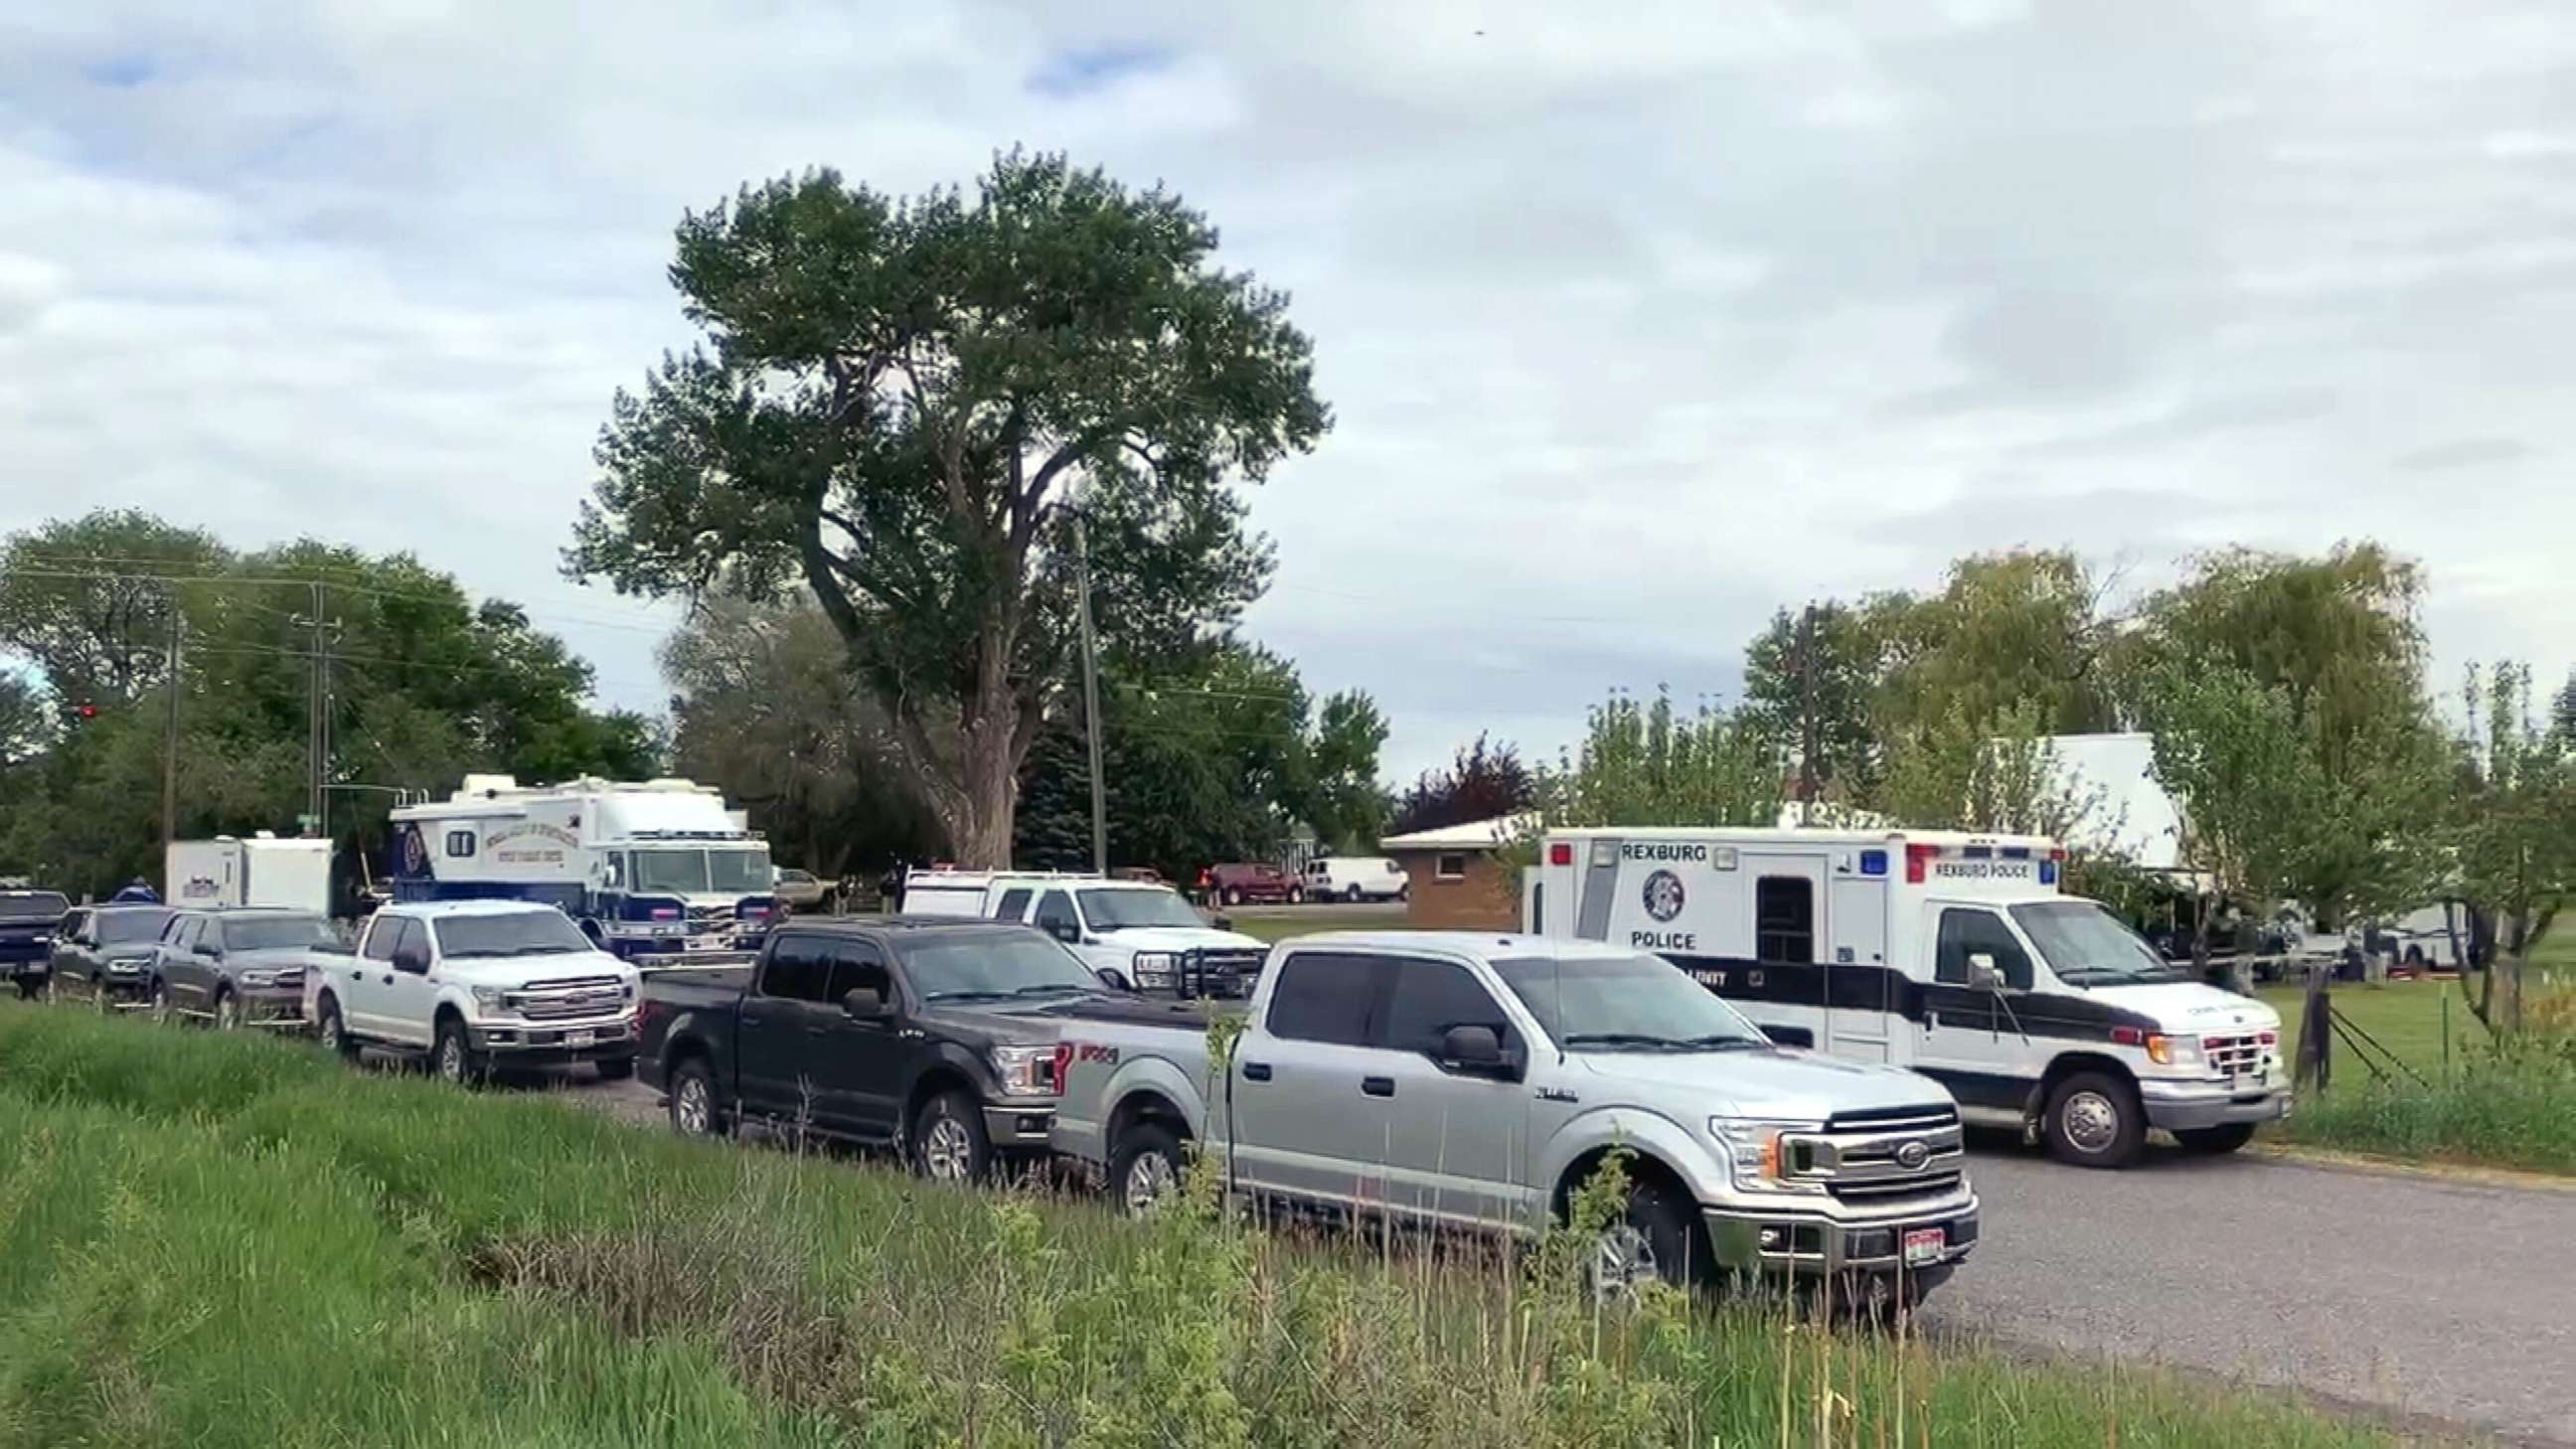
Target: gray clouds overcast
(1640,320)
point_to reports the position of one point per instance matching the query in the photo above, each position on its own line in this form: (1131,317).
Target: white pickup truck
(472,985)
(1474,1081)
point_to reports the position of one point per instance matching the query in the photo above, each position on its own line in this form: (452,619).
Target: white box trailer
(1949,953)
(261,870)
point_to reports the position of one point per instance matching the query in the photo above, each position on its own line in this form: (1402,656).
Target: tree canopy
(1486,781)
(905,405)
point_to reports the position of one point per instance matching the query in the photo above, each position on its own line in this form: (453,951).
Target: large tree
(2006,632)
(1647,764)
(1810,678)
(1486,781)
(906,405)
(2515,835)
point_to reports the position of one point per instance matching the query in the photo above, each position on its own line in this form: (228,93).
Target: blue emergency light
(1873,862)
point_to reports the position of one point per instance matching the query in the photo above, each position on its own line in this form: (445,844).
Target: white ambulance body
(1952,954)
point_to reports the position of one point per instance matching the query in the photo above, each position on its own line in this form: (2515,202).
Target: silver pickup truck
(1474,1081)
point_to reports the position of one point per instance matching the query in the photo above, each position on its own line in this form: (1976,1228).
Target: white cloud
(1640,320)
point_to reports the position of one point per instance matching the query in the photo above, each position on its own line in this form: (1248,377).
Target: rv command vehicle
(262,870)
(657,871)
(1952,954)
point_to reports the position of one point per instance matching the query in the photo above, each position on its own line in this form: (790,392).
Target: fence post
(2446,1038)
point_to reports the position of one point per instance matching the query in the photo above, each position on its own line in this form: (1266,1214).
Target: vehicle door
(1788,920)
(860,1067)
(773,1052)
(1969,1039)
(69,938)
(1311,1097)
(1867,998)
(365,982)
(1457,1135)
(188,955)
(408,1006)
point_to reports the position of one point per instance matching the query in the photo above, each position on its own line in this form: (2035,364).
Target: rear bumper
(1808,1245)
(2186,1106)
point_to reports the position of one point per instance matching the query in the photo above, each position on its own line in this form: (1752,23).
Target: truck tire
(1296,895)
(695,1111)
(1658,1236)
(615,1069)
(2094,1120)
(2214,1141)
(1145,1168)
(1231,896)
(1353,895)
(331,1032)
(451,1056)
(948,1142)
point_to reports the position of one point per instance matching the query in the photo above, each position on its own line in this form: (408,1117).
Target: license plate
(580,1038)
(1924,1245)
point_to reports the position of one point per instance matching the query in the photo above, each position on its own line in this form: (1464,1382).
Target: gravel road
(2450,1302)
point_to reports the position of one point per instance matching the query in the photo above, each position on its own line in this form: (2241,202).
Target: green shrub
(215,1242)
(2513,1105)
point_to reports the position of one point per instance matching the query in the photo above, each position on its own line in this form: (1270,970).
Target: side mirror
(411,960)
(864,1003)
(1983,974)
(1474,1047)
(1069,932)
(1223,923)
(210,951)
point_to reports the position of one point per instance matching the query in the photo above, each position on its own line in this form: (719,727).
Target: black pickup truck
(931,1035)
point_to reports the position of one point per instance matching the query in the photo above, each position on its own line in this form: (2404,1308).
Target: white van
(1354,878)
(1137,935)
(1949,953)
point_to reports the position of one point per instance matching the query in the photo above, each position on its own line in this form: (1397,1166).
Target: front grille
(575,997)
(2236,1056)
(1895,1119)
(1897,1191)
(1862,1157)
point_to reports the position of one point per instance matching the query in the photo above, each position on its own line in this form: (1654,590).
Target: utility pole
(1091,698)
(170,756)
(317,715)
(1807,725)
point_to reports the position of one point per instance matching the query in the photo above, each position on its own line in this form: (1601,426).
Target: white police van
(1949,953)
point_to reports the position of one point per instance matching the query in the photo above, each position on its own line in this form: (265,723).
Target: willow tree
(906,405)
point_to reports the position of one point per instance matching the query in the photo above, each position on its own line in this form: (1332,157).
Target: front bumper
(126,981)
(553,1043)
(1801,1244)
(1019,1126)
(279,1008)
(2186,1106)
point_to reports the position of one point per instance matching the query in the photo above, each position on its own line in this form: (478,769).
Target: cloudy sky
(1640,319)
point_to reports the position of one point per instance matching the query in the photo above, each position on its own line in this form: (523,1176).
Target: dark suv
(241,967)
(28,920)
(104,953)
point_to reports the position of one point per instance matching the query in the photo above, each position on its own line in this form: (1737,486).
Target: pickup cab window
(850,965)
(1116,910)
(797,970)
(1325,997)
(380,937)
(1015,904)
(1056,917)
(1625,1003)
(1428,998)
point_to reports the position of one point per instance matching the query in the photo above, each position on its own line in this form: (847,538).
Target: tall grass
(2511,1103)
(212,1241)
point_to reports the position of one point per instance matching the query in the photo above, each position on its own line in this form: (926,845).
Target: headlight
(1156,966)
(493,999)
(259,978)
(1025,1071)
(2175,1051)
(1755,1153)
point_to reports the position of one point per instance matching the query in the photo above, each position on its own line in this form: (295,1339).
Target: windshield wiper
(1726,1043)
(1043,989)
(1624,1039)
(966,996)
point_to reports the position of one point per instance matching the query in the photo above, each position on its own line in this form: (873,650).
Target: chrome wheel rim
(451,1058)
(1150,1178)
(1621,1260)
(328,1032)
(691,1105)
(2092,1122)
(946,1151)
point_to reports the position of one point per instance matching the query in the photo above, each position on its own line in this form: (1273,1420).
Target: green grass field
(222,1241)
(2404,1016)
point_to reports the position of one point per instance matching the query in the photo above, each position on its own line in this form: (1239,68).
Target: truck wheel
(615,1069)
(1657,1237)
(2094,1120)
(694,1109)
(331,1033)
(1353,895)
(948,1141)
(1145,1168)
(1231,896)
(2216,1140)
(450,1057)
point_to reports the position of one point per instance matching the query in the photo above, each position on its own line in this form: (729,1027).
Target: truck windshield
(701,872)
(1634,1003)
(2088,946)
(1118,910)
(32,906)
(280,933)
(994,965)
(124,928)
(517,933)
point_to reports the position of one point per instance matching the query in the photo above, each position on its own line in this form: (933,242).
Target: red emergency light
(1916,859)
(1560,853)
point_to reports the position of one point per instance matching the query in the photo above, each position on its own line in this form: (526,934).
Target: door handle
(1378,1086)
(389,981)
(1256,1071)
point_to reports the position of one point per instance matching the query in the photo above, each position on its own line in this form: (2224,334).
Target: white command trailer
(1952,954)
(658,871)
(261,870)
